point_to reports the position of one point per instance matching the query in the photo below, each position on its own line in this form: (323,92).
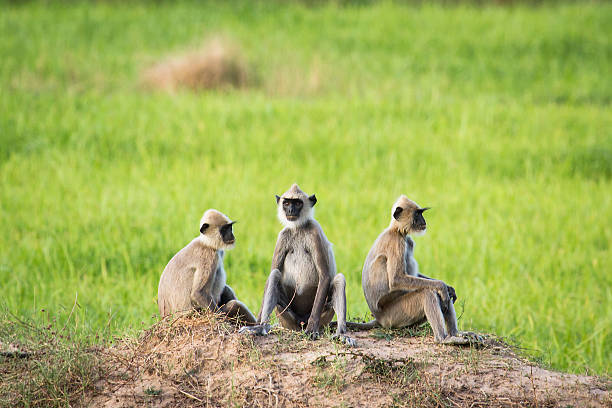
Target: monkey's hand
(312,328)
(451,293)
(443,292)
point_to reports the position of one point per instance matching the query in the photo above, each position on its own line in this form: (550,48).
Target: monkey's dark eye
(285,203)
(299,204)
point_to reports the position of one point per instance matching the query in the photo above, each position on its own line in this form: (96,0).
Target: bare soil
(201,360)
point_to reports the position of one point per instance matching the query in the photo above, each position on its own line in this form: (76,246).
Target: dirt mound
(200,360)
(217,65)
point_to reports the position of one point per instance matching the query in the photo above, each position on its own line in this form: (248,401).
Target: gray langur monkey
(397,294)
(303,285)
(195,279)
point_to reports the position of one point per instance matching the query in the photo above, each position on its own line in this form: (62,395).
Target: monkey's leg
(235,308)
(227,295)
(271,297)
(339,302)
(404,309)
(450,317)
(410,309)
(339,305)
(437,309)
(454,335)
(433,312)
(270,300)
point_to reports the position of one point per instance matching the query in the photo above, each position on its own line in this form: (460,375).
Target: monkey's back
(174,290)
(374,276)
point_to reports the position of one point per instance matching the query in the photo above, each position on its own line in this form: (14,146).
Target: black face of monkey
(227,234)
(293,208)
(418,222)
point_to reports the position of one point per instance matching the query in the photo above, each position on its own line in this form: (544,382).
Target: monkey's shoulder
(390,241)
(201,248)
(196,255)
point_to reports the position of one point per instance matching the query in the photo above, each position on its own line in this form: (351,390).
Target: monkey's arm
(399,280)
(280,251)
(451,290)
(202,285)
(414,267)
(320,256)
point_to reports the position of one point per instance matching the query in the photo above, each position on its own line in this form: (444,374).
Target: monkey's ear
(313,200)
(203,227)
(277,199)
(397,212)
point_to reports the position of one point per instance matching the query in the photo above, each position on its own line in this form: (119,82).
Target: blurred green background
(498,117)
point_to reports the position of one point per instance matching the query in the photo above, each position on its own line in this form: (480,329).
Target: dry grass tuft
(44,364)
(217,65)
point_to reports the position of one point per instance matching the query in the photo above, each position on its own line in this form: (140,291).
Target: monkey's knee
(339,281)
(275,276)
(231,308)
(237,309)
(433,298)
(338,287)
(227,295)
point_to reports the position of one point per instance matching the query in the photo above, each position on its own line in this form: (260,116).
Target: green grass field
(497,117)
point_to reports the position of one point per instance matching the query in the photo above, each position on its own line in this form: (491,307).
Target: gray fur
(195,278)
(303,285)
(396,292)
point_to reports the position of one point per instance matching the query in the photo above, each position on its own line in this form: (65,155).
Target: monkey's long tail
(357,326)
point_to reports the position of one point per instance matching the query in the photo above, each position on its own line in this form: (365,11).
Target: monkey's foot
(474,339)
(257,330)
(455,341)
(341,338)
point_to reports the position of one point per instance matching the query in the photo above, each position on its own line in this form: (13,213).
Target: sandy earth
(202,361)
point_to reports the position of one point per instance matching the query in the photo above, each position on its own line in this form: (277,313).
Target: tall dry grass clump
(45,363)
(217,65)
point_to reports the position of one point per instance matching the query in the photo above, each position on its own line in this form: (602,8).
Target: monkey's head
(216,230)
(407,217)
(295,207)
